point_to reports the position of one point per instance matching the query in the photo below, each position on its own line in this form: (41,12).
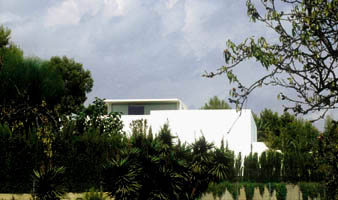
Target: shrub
(280,191)
(261,188)
(233,189)
(249,190)
(311,190)
(48,183)
(93,194)
(217,190)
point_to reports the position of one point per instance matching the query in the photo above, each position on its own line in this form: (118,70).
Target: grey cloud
(25,8)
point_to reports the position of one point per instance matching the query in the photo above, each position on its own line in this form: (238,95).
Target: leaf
(278,96)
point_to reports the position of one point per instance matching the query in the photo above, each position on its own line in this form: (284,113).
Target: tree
(29,91)
(77,82)
(94,116)
(296,138)
(285,132)
(326,156)
(251,167)
(35,92)
(216,103)
(304,60)
(4,40)
(267,125)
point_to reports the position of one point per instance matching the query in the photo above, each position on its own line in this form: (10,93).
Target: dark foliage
(156,168)
(18,157)
(48,183)
(326,157)
(77,83)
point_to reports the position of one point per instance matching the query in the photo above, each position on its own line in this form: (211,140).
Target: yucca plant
(222,167)
(201,163)
(48,183)
(121,178)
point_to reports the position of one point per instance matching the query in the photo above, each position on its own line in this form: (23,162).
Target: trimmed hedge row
(308,189)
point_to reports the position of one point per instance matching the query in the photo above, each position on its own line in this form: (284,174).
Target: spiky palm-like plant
(48,183)
(121,176)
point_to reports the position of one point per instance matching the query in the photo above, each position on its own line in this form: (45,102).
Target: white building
(238,129)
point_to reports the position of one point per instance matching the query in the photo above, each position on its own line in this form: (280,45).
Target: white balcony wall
(238,129)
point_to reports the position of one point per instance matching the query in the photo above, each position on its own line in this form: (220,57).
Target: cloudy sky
(141,49)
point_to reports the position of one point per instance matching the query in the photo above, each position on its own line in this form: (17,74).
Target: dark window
(135,110)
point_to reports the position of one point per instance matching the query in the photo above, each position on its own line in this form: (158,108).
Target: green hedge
(308,189)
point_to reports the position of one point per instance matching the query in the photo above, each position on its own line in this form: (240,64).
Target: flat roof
(116,101)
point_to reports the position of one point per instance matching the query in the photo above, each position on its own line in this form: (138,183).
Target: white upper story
(142,106)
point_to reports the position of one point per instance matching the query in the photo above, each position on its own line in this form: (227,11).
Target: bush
(261,188)
(311,190)
(217,190)
(19,155)
(48,183)
(233,189)
(249,190)
(280,191)
(93,194)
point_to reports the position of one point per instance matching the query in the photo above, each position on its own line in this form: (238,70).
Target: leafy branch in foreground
(303,60)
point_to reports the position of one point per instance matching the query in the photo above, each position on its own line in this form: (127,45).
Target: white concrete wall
(259,147)
(237,128)
(253,129)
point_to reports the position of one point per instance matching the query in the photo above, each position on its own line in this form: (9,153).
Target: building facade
(142,106)
(236,128)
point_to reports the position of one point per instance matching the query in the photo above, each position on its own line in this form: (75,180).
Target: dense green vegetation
(50,143)
(308,189)
(301,61)
(142,166)
(216,103)
(295,138)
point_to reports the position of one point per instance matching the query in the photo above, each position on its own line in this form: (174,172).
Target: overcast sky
(141,48)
